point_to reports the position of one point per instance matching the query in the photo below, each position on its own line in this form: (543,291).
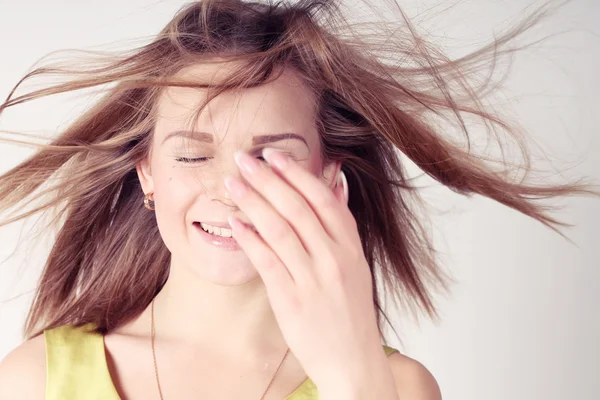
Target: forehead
(283,105)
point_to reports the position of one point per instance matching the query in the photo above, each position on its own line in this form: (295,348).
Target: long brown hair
(378,94)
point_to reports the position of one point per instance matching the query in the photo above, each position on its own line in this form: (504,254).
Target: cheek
(176,187)
(174,196)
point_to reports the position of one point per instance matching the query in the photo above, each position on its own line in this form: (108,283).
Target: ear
(335,179)
(144,174)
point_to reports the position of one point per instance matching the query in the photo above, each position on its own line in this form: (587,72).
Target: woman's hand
(310,258)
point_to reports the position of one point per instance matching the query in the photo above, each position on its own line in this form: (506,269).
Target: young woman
(225,208)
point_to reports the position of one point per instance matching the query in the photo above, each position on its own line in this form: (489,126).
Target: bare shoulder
(23,371)
(413,380)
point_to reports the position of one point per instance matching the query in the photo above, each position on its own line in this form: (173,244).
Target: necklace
(152,335)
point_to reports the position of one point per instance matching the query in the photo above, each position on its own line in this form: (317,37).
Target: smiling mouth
(199,225)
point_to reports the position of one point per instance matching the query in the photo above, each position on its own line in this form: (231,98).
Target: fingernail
(235,186)
(275,157)
(236,224)
(245,162)
(344,183)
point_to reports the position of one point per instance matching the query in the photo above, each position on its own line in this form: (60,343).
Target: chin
(236,277)
(211,264)
(227,270)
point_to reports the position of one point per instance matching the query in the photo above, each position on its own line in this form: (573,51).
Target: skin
(224,323)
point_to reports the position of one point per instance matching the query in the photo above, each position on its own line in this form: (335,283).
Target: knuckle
(294,305)
(271,263)
(296,208)
(328,203)
(335,269)
(279,231)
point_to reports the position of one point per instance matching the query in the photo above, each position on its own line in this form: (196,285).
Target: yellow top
(77,368)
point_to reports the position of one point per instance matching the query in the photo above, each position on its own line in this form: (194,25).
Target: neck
(233,319)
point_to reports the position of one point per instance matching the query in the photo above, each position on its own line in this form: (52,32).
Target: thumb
(341,188)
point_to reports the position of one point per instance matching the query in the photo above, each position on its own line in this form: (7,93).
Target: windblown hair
(378,93)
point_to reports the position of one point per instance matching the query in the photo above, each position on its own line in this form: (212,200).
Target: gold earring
(149,201)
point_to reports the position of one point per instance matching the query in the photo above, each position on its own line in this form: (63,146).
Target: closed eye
(201,159)
(191,160)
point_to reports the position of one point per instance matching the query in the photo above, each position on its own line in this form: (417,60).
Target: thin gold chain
(153,333)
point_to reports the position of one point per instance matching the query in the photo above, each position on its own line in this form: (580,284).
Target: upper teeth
(215,230)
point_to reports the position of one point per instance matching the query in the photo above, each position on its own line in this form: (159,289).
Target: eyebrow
(256,140)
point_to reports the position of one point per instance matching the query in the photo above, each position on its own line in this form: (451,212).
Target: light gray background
(523,320)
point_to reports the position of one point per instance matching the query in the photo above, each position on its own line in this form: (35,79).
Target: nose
(220,192)
(224,197)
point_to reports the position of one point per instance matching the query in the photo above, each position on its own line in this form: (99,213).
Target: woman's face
(189,189)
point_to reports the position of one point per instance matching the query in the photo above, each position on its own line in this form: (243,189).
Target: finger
(274,230)
(334,215)
(272,271)
(290,204)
